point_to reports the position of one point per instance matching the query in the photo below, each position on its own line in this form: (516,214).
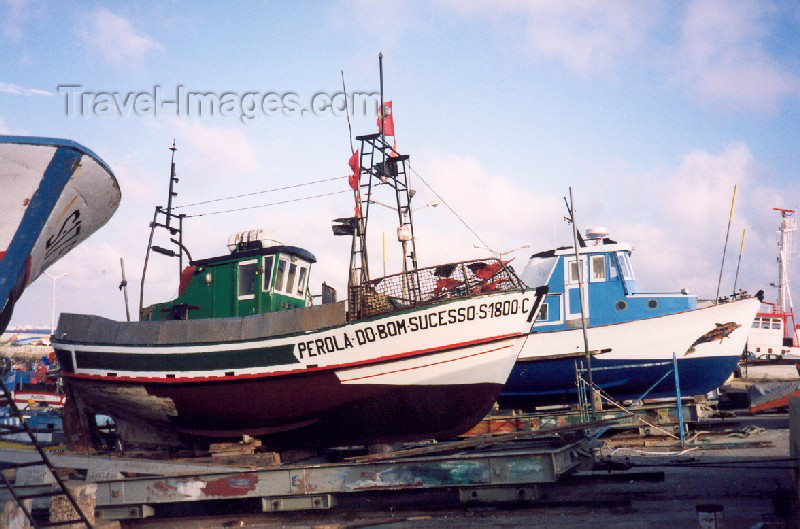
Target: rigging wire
(269,204)
(347,113)
(448,207)
(258,193)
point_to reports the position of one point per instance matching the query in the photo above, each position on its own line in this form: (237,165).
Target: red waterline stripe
(425,365)
(389,358)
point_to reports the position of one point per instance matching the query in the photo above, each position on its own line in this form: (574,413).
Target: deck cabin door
(246,274)
(572,300)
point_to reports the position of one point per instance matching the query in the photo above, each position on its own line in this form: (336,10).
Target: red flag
(394,150)
(388,119)
(354,165)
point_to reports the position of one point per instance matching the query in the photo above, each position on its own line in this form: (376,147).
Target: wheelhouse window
(279,275)
(246,283)
(776,324)
(625,266)
(574,270)
(301,281)
(266,277)
(756,323)
(290,278)
(543,313)
(598,265)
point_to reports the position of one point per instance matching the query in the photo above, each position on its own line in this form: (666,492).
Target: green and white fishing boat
(418,354)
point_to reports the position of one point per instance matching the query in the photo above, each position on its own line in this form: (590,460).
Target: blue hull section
(544,382)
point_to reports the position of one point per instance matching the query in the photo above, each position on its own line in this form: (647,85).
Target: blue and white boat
(55,193)
(626,327)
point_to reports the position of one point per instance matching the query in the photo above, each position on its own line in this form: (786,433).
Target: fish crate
(434,284)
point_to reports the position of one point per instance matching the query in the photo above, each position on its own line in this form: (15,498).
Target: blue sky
(651,111)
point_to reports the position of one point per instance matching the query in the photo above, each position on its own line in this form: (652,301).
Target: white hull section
(477,337)
(655,338)
(485,363)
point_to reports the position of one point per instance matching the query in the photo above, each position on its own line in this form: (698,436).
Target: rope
(607,397)
(258,192)
(269,204)
(448,207)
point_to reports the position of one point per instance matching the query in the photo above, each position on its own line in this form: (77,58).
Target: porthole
(621,305)
(653,303)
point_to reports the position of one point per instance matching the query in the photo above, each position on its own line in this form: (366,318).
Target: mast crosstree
(379,164)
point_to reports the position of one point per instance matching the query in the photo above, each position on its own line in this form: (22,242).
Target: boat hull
(55,194)
(545,371)
(382,380)
(329,415)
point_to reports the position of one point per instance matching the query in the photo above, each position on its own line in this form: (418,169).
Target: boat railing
(425,286)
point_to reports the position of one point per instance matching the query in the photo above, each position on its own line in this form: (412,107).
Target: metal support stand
(678,396)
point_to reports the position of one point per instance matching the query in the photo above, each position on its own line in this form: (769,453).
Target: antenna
(172,181)
(380,73)
(347,114)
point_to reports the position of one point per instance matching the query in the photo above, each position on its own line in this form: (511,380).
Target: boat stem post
(679,399)
(581,279)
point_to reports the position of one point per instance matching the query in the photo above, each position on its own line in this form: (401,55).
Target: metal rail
(59,488)
(317,486)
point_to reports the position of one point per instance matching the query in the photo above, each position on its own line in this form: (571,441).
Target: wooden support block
(230,449)
(12,516)
(85,495)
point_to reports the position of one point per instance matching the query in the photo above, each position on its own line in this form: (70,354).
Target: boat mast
(166,224)
(785,250)
(379,164)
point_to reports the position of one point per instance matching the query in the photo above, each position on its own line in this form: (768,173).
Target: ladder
(58,488)
(379,164)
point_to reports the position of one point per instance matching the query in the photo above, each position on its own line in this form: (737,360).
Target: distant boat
(632,333)
(55,193)
(772,349)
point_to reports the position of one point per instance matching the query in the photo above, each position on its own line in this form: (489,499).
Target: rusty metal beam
(523,464)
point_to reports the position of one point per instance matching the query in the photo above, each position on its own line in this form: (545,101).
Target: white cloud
(116,40)
(588,37)
(501,212)
(724,58)
(15,14)
(215,150)
(676,218)
(21,90)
